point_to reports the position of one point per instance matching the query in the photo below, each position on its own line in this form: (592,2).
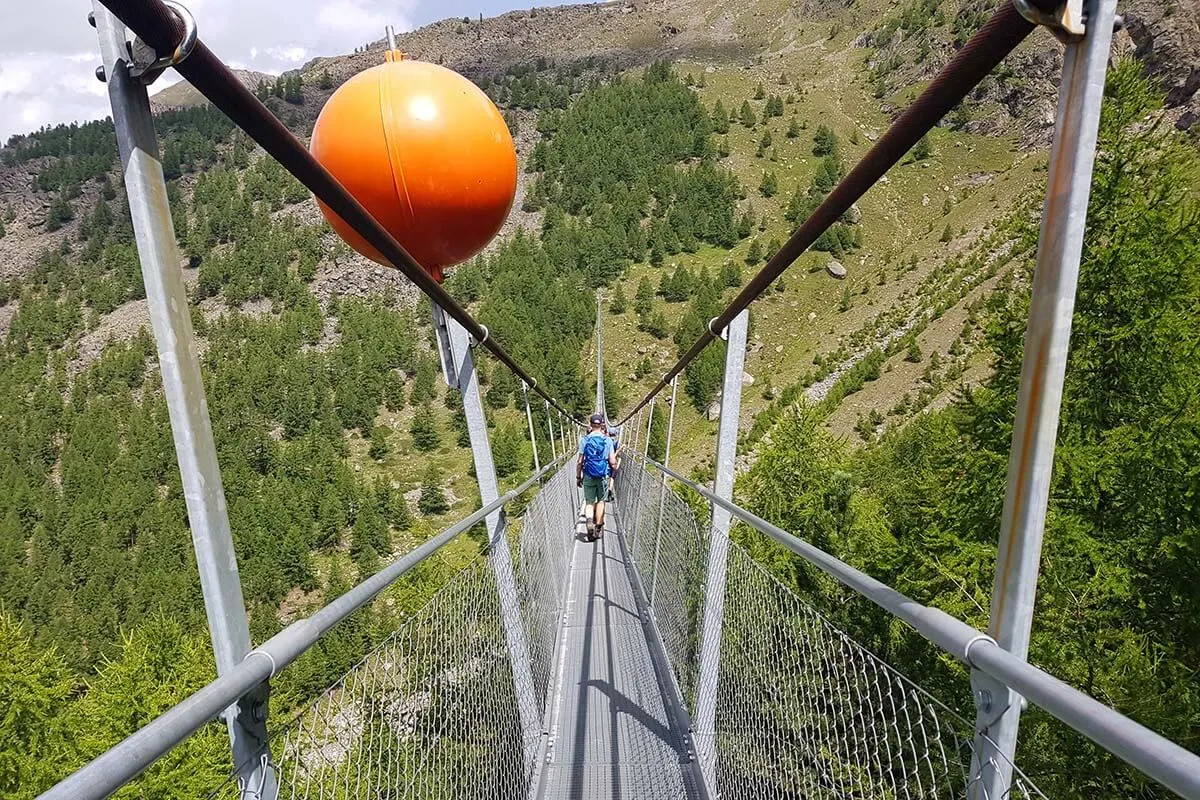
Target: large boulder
(835,268)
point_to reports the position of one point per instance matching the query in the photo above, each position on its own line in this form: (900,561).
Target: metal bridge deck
(612,732)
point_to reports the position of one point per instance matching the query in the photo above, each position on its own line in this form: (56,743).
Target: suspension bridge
(660,661)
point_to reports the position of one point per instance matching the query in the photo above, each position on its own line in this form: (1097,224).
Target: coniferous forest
(99,599)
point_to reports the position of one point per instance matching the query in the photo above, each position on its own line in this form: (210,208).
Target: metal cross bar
(714,600)
(1142,748)
(1043,367)
(455,341)
(170,319)
(126,760)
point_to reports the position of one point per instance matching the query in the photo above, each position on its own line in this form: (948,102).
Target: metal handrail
(128,758)
(1151,753)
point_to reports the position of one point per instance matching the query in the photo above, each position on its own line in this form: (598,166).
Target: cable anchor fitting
(145,63)
(1065,20)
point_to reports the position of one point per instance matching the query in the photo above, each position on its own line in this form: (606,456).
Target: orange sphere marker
(426,152)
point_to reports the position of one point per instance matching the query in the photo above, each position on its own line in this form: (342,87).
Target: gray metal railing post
(537,462)
(458,365)
(1039,397)
(191,428)
(600,356)
(645,446)
(662,493)
(550,431)
(714,599)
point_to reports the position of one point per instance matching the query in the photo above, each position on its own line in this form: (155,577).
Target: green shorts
(594,489)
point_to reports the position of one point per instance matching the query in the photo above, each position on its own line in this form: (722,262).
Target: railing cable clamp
(145,63)
(1066,21)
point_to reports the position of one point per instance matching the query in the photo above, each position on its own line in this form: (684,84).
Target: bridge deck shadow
(611,733)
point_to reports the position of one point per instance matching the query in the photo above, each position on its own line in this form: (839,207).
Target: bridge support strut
(718,551)
(1039,396)
(191,428)
(458,367)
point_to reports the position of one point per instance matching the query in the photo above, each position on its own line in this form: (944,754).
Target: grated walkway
(614,729)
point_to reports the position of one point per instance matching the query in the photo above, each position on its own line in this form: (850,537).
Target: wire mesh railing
(669,550)
(802,710)
(543,560)
(432,711)
(429,713)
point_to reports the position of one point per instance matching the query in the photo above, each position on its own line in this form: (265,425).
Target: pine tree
(433,499)
(825,142)
(506,451)
(296,560)
(60,213)
(393,391)
(793,128)
(643,301)
(913,353)
(720,118)
(424,430)
(947,234)
(325,82)
(747,116)
(618,302)
(759,91)
(424,388)
(844,305)
(754,255)
(769,185)
(379,443)
(923,149)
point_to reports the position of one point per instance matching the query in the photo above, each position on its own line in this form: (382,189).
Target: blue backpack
(595,462)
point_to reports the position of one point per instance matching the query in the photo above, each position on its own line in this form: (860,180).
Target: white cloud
(48,53)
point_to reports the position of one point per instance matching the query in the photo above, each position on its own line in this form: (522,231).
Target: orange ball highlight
(426,152)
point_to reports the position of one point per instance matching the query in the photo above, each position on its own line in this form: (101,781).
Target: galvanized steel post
(191,428)
(600,357)
(718,550)
(662,492)
(1039,398)
(641,473)
(537,462)
(458,365)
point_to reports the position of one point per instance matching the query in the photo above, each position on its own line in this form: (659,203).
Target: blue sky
(48,52)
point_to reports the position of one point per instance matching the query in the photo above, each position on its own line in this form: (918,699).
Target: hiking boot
(591,532)
(599,531)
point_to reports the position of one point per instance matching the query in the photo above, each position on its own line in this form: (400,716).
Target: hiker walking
(596,462)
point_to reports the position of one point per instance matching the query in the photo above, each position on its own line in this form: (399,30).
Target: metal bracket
(991,697)
(1066,22)
(445,352)
(145,63)
(251,717)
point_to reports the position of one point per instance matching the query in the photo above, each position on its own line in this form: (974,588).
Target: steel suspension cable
(158,26)
(982,53)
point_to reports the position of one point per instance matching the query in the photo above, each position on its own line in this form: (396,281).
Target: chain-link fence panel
(803,710)
(670,551)
(431,713)
(543,567)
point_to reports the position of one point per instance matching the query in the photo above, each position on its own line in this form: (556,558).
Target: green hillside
(661,168)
